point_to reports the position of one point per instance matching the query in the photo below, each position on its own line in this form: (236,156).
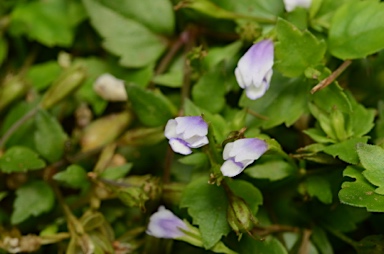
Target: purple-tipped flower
(290,5)
(164,224)
(239,154)
(186,132)
(254,70)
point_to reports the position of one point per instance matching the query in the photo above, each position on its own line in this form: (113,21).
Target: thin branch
(255,114)
(327,81)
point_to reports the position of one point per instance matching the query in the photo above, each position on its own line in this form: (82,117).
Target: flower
(254,70)
(186,132)
(241,153)
(110,88)
(164,224)
(290,5)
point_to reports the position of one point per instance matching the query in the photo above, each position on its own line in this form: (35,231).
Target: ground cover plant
(191,126)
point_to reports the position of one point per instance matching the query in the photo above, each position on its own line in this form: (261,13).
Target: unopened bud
(105,130)
(143,136)
(239,216)
(110,88)
(12,88)
(67,82)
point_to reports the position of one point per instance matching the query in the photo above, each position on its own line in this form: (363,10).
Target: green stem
(341,236)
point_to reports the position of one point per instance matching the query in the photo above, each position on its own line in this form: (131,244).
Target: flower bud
(12,88)
(142,136)
(239,216)
(67,82)
(110,88)
(104,130)
(254,70)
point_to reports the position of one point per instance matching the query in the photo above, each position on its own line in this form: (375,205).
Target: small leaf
(42,75)
(49,136)
(273,170)
(360,192)
(346,150)
(207,204)
(151,107)
(372,244)
(32,199)
(20,159)
(114,173)
(319,187)
(320,240)
(357,30)
(73,176)
(269,245)
(296,50)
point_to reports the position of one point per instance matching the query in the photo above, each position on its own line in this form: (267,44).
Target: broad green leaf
(361,119)
(346,150)
(208,93)
(159,17)
(114,173)
(296,50)
(49,137)
(135,44)
(269,245)
(32,199)
(170,79)
(273,170)
(195,159)
(42,75)
(251,195)
(357,30)
(45,21)
(151,107)
(73,176)
(20,159)
(207,204)
(372,159)
(320,240)
(372,244)
(284,102)
(319,187)
(360,192)
(217,55)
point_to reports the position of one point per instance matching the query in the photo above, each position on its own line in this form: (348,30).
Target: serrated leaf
(32,199)
(207,204)
(272,170)
(151,107)
(360,192)
(135,44)
(357,30)
(114,173)
(49,136)
(319,187)
(372,159)
(296,50)
(346,150)
(20,159)
(284,102)
(73,176)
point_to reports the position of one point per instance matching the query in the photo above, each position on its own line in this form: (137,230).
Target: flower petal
(179,146)
(164,224)
(227,150)
(231,168)
(190,126)
(248,149)
(290,5)
(197,141)
(170,129)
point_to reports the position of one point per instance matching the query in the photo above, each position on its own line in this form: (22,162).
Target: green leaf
(172,79)
(32,199)
(360,193)
(49,137)
(372,244)
(269,245)
(208,93)
(159,18)
(40,21)
(284,102)
(357,30)
(42,75)
(251,195)
(216,55)
(73,176)
(320,240)
(319,187)
(362,119)
(372,159)
(296,50)
(207,204)
(272,170)
(346,150)
(114,173)
(151,107)
(135,44)
(330,97)
(20,159)
(196,159)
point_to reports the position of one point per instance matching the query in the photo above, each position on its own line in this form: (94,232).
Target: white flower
(110,88)
(290,5)
(254,70)
(186,132)
(241,153)
(164,224)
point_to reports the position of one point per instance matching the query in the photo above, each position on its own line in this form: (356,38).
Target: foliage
(80,174)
